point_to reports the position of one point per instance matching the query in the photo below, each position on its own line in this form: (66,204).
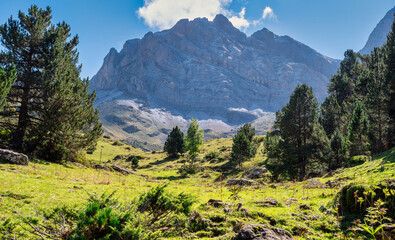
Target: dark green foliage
(357,133)
(330,115)
(211,156)
(156,213)
(134,160)
(243,147)
(389,48)
(338,152)
(175,143)
(343,83)
(55,117)
(303,143)
(7,79)
(188,168)
(102,219)
(159,206)
(355,199)
(194,139)
(357,160)
(377,100)
(248,131)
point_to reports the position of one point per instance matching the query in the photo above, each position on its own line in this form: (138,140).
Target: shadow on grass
(165,160)
(173,178)
(388,156)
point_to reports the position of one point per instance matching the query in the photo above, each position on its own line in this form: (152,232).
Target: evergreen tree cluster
(48,111)
(176,143)
(357,118)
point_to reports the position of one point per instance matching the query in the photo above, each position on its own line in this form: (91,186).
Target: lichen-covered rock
(256,172)
(8,156)
(262,232)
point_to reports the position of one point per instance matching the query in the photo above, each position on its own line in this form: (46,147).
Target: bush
(189,168)
(155,214)
(117,143)
(107,137)
(211,155)
(357,160)
(158,204)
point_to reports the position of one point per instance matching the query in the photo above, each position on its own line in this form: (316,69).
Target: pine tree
(303,139)
(175,143)
(337,154)
(194,139)
(54,111)
(358,132)
(241,148)
(377,100)
(330,115)
(389,47)
(7,79)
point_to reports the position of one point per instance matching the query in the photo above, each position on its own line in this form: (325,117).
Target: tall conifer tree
(54,111)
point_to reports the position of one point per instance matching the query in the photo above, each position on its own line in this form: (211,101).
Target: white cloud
(268,13)
(164,14)
(239,21)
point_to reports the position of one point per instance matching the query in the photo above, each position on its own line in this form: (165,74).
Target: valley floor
(293,206)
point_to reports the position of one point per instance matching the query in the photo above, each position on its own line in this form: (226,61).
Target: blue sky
(328,26)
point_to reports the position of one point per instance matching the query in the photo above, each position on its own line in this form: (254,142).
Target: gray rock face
(262,232)
(210,67)
(204,69)
(379,35)
(8,156)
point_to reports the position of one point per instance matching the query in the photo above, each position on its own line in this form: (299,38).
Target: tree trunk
(22,120)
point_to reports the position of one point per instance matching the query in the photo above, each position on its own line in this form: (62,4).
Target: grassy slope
(41,185)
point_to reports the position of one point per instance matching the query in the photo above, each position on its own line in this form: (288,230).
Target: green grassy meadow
(24,190)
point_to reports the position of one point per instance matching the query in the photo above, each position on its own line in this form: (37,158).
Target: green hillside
(25,190)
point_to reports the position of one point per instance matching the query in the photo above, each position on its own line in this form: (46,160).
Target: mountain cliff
(204,69)
(379,34)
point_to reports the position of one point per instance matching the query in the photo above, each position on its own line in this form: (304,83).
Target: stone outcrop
(262,232)
(8,156)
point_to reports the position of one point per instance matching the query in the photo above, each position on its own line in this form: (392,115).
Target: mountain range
(207,70)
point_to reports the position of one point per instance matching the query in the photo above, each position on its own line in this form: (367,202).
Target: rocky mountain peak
(204,69)
(379,34)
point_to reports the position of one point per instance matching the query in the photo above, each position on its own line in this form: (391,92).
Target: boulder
(216,203)
(98,166)
(242,181)
(304,207)
(8,156)
(256,172)
(314,183)
(262,232)
(123,170)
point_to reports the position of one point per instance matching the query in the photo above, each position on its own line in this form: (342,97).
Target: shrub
(155,214)
(189,168)
(117,143)
(107,136)
(160,206)
(357,160)
(135,162)
(211,155)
